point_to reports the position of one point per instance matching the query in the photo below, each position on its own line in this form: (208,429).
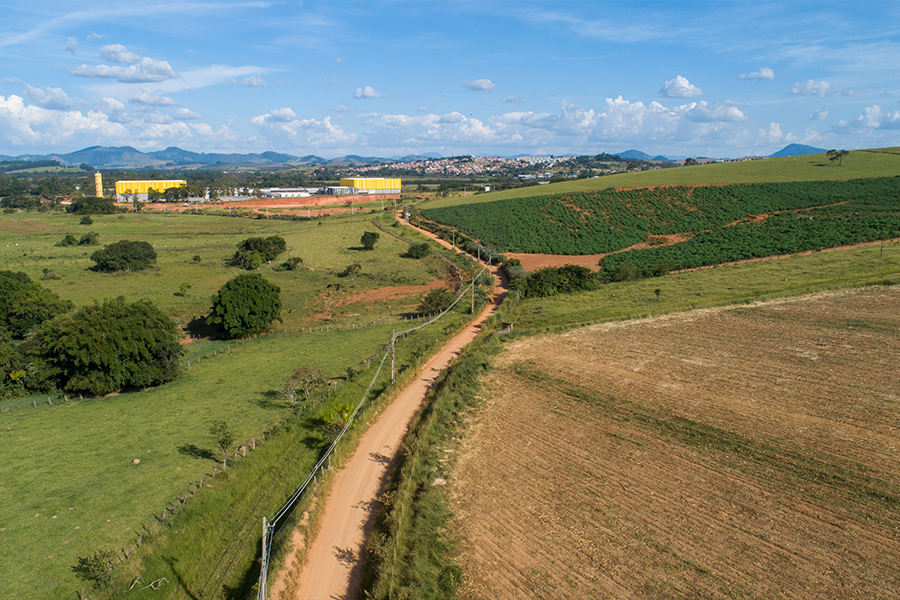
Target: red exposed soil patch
(260,204)
(532,262)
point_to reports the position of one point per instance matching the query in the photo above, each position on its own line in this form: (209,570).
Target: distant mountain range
(126,157)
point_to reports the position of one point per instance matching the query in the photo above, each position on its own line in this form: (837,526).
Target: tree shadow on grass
(196,451)
(270,399)
(198,328)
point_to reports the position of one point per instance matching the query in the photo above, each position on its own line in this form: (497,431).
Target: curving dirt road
(335,558)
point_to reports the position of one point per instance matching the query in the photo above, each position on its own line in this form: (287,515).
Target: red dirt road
(334,562)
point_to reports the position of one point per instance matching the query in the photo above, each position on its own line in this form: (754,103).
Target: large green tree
(92,205)
(245,305)
(252,252)
(124,256)
(110,347)
(25,304)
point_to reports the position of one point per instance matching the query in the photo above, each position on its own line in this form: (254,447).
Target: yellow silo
(98,184)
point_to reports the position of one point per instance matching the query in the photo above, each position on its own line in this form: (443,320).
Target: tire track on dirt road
(333,566)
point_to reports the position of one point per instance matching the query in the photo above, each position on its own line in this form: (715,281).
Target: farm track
(333,563)
(740,453)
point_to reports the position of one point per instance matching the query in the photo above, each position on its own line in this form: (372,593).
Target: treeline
(611,220)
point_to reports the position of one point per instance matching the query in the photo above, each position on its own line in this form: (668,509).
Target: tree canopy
(124,256)
(368,240)
(245,305)
(110,347)
(92,205)
(25,304)
(252,252)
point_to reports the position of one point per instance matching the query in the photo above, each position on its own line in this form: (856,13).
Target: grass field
(326,247)
(878,162)
(741,453)
(68,482)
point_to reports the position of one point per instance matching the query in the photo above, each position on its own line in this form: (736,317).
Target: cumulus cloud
(138,70)
(368,92)
(454,129)
(764,73)
(819,115)
(772,134)
(342,108)
(679,87)
(95,36)
(872,118)
(703,112)
(152,99)
(819,88)
(72,45)
(30,125)
(52,98)
(480,85)
(186,114)
(281,126)
(254,81)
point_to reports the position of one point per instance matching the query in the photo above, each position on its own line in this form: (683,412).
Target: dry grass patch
(736,453)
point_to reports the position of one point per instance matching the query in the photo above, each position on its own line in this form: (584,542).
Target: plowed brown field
(748,452)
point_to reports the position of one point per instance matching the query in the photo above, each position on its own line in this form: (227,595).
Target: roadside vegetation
(117,465)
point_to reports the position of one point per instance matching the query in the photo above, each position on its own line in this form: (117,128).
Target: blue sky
(453,77)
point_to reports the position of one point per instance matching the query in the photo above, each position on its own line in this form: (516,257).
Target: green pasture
(68,483)
(877,162)
(327,246)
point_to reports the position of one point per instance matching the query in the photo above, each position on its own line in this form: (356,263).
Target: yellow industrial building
(372,185)
(127,190)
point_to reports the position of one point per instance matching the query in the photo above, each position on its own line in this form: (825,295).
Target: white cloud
(139,69)
(819,88)
(95,36)
(480,85)
(763,73)
(339,60)
(342,108)
(819,115)
(118,53)
(707,113)
(368,92)
(24,125)
(512,100)
(872,118)
(10,80)
(186,114)
(72,45)
(679,87)
(772,134)
(282,127)
(334,80)
(454,129)
(152,99)
(254,81)
(52,98)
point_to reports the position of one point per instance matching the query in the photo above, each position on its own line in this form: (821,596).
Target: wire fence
(272,526)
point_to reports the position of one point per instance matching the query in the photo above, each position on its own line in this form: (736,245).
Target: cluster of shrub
(46,346)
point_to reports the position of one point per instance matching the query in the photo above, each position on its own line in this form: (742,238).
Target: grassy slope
(813,167)
(67,481)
